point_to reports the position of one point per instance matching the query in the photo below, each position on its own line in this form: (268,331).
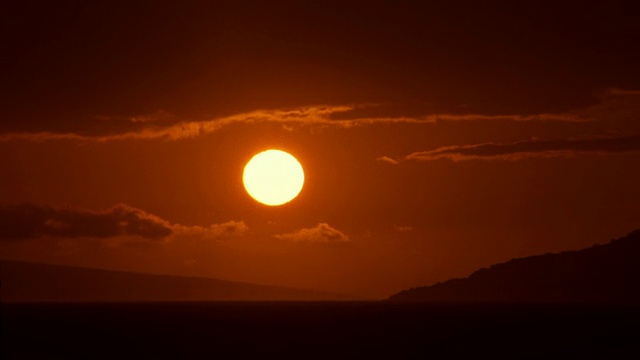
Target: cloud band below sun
(321,233)
(32,221)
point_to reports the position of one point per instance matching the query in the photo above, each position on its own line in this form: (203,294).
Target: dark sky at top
(66,63)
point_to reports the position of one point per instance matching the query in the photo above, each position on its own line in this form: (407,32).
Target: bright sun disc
(273,177)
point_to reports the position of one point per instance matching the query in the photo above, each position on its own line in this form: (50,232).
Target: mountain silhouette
(608,273)
(35,282)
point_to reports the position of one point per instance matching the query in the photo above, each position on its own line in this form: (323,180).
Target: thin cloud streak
(530,149)
(312,115)
(388,160)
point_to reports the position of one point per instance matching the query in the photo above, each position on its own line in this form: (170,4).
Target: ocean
(323,330)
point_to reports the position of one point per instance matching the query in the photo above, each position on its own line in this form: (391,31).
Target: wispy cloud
(528,149)
(191,129)
(565,117)
(32,221)
(403,228)
(149,127)
(624,92)
(388,160)
(321,233)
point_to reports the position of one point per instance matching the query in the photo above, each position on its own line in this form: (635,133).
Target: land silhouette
(35,282)
(608,274)
(579,304)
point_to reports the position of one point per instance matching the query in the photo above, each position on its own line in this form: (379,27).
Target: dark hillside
(607,273)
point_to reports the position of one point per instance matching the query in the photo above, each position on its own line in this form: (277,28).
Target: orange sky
(435,139)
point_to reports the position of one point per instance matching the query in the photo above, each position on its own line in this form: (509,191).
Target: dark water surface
(305,330)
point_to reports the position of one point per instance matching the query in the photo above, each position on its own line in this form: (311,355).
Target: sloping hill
(23,281)
(607,273)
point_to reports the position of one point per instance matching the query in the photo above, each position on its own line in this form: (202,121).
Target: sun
(273,177)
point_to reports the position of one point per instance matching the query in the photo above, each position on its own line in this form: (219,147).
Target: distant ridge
(607,273)
(34,282)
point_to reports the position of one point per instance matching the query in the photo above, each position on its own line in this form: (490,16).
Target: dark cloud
(533,148)
(28,221)
(321,233)
(31,221)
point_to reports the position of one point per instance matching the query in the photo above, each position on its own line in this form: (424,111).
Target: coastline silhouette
(35,282)
(608,273)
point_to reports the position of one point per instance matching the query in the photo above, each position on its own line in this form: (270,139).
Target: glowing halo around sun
(273,177)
